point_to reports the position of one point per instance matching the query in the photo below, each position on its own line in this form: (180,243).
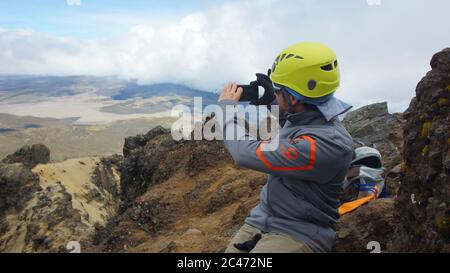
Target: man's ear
(293,100)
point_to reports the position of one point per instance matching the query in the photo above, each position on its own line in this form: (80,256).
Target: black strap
(250,244)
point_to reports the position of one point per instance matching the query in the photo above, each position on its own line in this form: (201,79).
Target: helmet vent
(327,67)
(277,59)
(282,57)
(312,84)
(335,64)
(370,161)
(289,56)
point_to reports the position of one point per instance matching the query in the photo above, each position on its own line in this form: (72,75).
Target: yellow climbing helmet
(308,68)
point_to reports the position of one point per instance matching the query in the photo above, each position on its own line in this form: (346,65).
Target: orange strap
(351,206)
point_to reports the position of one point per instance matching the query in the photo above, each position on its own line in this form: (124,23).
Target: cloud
(73,2)
(383,51)
(373,2)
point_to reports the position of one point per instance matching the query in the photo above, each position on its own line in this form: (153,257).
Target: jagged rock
(423,202)
(17,186)
(393,180)
(168,185)
(106,172)
(141,159)
(43,216)
(371,222)
(372,124)
(152,158)
(30,155)
(45,224)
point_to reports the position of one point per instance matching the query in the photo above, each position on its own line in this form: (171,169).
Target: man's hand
(264,81)
(231,92)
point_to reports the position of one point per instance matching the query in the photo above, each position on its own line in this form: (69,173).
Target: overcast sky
(384,46)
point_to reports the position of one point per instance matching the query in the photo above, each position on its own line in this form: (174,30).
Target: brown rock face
(17,185)
(29,155)
(107,173)
(179,196)
(43,208)
(423,203)
(373,124)
(373,222)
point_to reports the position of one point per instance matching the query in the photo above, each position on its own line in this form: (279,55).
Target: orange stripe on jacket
(310,166)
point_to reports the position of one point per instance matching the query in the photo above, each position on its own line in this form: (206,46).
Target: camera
(258,92)
(250,92)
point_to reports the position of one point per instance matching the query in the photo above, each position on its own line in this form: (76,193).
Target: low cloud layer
(383,50)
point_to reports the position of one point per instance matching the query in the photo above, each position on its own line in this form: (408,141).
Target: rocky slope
(374,125)
(423,207)
(182,196)
(44,206)
(29,155)
(417,220)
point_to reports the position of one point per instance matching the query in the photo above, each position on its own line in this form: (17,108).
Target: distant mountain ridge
(133,90)
(78,116)
(107,86)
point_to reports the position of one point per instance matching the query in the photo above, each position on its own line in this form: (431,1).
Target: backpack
(365,176)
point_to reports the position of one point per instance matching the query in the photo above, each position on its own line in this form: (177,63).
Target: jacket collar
(306,118)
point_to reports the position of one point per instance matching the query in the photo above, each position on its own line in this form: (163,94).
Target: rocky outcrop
(423,207)
(154,157)
(179,196)
(106,175)
(45,207)
(29,155)
(417,220)
(17,185)
(373,124)
(141,161)
(373,222)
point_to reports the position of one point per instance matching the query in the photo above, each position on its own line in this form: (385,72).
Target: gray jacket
(305,176)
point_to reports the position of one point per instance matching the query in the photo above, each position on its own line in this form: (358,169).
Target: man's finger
(229,85)
(225,88)
(239,93)
(233,88)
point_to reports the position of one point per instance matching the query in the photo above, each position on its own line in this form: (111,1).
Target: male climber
(299,204)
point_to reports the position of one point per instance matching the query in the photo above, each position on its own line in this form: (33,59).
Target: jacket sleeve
(299,157)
